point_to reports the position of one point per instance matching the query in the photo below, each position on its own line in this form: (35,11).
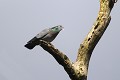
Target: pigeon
(47,35)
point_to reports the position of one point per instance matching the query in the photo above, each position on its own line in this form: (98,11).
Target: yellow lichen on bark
(79,69)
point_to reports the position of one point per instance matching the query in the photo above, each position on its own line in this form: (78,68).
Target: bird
(48,35)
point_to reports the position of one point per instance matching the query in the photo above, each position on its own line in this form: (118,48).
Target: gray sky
(21,20)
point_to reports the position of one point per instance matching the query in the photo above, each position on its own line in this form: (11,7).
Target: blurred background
(21,20)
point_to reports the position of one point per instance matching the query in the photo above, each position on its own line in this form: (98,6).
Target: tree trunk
(79,69)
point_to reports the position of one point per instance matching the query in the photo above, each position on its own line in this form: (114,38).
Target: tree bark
(79,69)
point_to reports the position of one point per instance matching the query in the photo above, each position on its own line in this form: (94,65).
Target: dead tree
(79,69)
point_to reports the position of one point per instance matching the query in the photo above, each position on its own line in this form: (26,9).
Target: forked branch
(79,69)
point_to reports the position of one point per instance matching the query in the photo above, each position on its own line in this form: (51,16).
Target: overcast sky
(21,20)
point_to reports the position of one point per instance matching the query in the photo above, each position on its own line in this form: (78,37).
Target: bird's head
(57,28)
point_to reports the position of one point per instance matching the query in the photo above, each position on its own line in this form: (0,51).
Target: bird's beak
(61,27)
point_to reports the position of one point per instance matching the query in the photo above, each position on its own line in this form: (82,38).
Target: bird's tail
(30,45)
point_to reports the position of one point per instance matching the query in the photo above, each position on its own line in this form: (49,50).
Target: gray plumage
(47,34)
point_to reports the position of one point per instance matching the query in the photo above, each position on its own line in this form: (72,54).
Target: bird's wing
(40,35)
(43,33)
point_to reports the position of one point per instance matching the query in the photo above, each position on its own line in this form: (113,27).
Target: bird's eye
(56,28)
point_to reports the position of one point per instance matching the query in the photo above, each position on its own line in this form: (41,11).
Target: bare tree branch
(61,58)
(91,40)
(79,69)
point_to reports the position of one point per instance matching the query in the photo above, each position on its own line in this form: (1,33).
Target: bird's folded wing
(39,36)
(43,33)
